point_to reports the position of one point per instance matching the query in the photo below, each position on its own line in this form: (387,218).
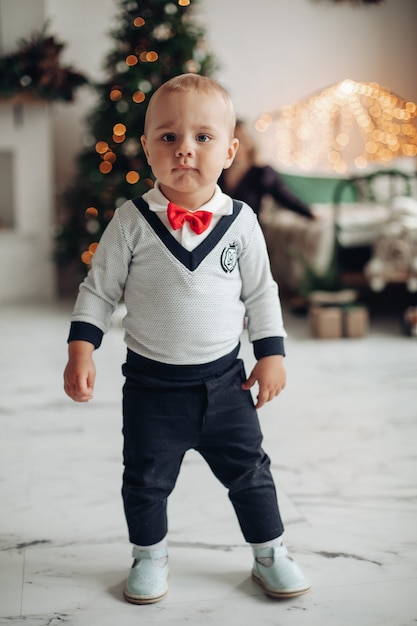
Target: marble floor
(343,441)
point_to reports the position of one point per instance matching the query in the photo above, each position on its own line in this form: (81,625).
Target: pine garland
(34,71)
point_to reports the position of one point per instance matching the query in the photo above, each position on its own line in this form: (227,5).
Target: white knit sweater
(183,307)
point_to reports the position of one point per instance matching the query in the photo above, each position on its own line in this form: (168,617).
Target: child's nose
(184,149)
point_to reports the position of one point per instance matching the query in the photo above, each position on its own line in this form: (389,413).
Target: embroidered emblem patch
(229,257)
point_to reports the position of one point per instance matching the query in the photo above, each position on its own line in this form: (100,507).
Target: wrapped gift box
(326,322)
(334,322)
(355,321)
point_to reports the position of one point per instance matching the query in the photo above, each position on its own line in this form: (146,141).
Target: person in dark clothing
(246,180)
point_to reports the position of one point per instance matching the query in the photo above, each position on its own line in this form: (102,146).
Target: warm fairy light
(371,147)
(184,3)
(350,122)
(105,167)
(102,147)
(138,97)
(115,95)
(119,129)
(132,177)
(263,123)
(333,157)
(342,139)
(152,56)
(149,56)
(138,22)
(131,60)
(409,150)
(91,211)
(119,138)
(360,162)
(192,66)
(87,255)
(109,156)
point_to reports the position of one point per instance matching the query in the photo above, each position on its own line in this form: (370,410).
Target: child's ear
(231,152)
(145,147)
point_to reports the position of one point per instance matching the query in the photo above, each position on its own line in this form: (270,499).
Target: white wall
(84,27)
(18,18)
(271,52)
(275,52)
(26,178)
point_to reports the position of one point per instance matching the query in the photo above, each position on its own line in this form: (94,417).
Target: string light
(115,94)
(152,56)
(138,97)
(132,177)
(348,123)
(109,156)
(148,56)
(192,66)
(87,255)
(131,60)
(102,147)
(119,129)
(105,167)
(91,211)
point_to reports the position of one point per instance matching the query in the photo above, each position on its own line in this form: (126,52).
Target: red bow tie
(199,220)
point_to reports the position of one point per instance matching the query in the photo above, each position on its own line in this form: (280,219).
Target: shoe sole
(273,593)
(143,599)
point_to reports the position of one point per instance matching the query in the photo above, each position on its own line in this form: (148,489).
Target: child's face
(188,142)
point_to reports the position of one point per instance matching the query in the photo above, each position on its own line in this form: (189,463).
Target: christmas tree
(154,41)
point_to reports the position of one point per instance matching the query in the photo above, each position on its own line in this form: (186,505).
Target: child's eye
(168,137)
(203,138)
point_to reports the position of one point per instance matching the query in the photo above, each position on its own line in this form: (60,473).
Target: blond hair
(192,83)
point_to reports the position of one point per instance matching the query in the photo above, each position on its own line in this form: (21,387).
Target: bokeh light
(351,123)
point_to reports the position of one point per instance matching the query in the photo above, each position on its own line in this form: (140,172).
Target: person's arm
(269,372)
(104,284)
(274,185)
(97,299)
(265,324)
(80,372)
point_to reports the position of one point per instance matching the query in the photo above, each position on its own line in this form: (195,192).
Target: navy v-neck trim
(190,259)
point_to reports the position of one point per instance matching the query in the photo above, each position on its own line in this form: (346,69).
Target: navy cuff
(268,347)
(84,331)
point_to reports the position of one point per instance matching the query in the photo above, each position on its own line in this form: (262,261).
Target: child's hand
(271,377)
(80,372)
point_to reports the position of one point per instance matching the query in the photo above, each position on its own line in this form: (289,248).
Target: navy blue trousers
(163,419)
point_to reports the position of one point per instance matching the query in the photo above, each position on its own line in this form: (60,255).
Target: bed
(365,234)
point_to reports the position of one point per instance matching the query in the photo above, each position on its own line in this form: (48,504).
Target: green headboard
(312,189)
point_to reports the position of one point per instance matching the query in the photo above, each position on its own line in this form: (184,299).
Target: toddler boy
(191,264)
